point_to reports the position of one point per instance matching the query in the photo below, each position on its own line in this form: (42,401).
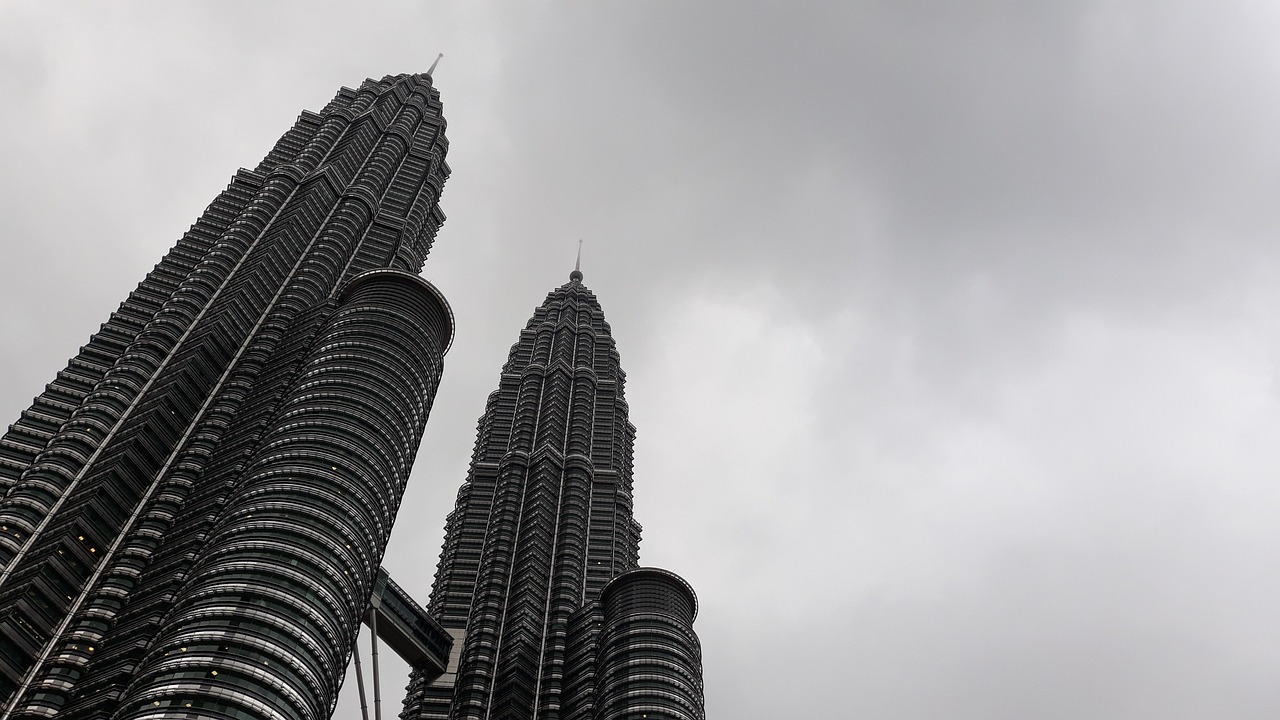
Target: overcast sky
(951,333)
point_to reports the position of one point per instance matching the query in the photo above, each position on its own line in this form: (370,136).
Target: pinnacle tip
(577,265)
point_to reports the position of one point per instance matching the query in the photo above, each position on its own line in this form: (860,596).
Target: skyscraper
(195,509)
(538,581)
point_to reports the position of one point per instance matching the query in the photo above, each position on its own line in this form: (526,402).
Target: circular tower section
(264,626)
(650,660)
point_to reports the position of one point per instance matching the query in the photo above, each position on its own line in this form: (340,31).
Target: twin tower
(195,510)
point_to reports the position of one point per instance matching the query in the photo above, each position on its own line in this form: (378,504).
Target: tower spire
(431,70)
(576,275)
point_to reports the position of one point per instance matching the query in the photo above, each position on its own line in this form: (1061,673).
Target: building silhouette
(538,582)
(194,511)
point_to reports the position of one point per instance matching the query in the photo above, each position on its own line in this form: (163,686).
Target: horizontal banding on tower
(265,624)
(430,305)
(657,577)
(650,660)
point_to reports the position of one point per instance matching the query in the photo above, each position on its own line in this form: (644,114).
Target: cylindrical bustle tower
(265,624)
(649,659)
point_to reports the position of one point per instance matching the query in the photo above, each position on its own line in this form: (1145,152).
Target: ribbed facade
(648,661)
(633,654)
(194,510)
(542,525)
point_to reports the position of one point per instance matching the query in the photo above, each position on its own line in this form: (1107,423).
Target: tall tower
(195,509)
(542,525)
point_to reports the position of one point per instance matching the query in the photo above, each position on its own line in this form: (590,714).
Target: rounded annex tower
(649,658)
(264,626)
